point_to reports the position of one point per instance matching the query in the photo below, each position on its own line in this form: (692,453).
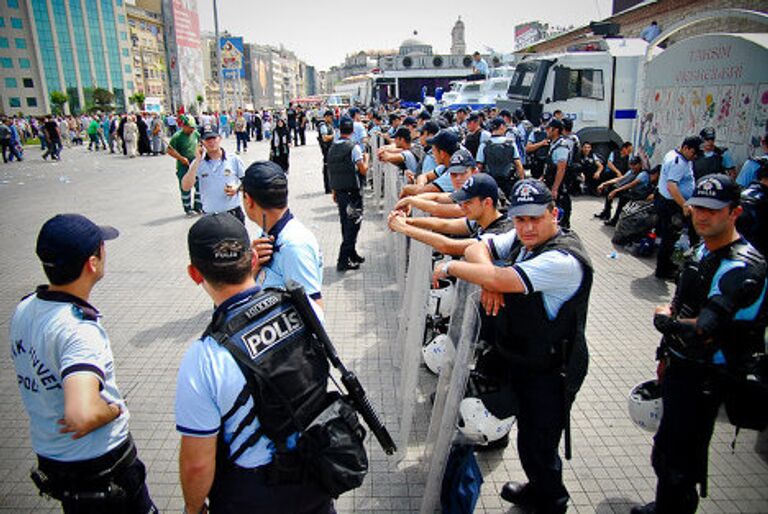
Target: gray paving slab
(152,312)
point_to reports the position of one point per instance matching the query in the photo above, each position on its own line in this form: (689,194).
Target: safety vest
(525,336)
(499,158)
(708,165)
(342,172)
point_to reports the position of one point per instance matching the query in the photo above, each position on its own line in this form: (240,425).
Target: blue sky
(322,33)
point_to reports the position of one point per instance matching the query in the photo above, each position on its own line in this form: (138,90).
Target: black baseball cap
(264,175)
(446,140)
(555,124)
(208,132)
(504,113)
(635,159)
(67,240)
(461,160)
(473,116)
(220,239)
(479,185)
(430,127)
(497,123)
(707,133)
(346,125)
(352,111)
(715,192)
(529,197)
(425,115)
(403,133)
(328,113)
(410,121)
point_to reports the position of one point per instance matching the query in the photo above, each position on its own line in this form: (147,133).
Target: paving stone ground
(152,311)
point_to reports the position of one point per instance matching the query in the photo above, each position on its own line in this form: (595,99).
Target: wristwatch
(447,268)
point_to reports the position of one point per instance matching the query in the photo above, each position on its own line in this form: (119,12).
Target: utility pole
(219,71)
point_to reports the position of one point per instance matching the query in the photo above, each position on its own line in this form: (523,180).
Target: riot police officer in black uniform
(712,158)
(712,331)
(539,341)
(347,167)
(325,136)
(557,168)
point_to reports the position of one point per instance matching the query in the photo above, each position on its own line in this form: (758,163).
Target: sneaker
(601,215)
(347,265)
(190,213)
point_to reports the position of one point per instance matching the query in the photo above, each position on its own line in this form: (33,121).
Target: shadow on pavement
(163,221)
(651,289)
(614,506)
(178,330)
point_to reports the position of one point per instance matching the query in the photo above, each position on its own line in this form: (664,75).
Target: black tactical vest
(342,172)
(324,145)
(472,142)
(737,338)
(499,158)
(551,171)
(708,165)
(290,379)
(531,342)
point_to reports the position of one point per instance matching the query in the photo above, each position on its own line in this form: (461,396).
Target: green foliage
(137,99)
(102,99)
(58,99)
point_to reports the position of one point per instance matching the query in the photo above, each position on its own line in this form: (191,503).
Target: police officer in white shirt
(78,418)
(219,176)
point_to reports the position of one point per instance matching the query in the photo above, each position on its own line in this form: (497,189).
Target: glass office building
(76,46)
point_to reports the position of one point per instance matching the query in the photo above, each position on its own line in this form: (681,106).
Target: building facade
(150,71)
(72,46)
(184,56)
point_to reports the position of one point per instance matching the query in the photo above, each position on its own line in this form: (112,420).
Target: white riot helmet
(645,407)
(438,352)
(478,424)
(441,299)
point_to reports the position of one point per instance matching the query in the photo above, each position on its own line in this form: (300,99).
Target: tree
(138,100)
(58,99)
(102,99)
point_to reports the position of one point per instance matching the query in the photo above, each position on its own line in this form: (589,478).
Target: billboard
(527,34)
(232,62)
(185,58)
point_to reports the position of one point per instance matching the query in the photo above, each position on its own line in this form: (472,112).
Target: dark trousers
(565,206)
(691,399)
(78,477)
(667,231)
(301,136)
(326,180)
(505,184)
(350,205)
(240,490)
(10,151)
(540,423)
(242,137)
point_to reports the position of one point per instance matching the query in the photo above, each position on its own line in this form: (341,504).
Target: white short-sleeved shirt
(55,335)
(296,256)
(214,175)
(555,274)
(358,132)
(678,169)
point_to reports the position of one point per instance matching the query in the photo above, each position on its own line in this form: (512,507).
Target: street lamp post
(218,54)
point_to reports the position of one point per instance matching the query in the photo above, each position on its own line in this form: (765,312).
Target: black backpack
(499,158)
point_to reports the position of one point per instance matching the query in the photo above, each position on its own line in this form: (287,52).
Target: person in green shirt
(182,147)
(93,134)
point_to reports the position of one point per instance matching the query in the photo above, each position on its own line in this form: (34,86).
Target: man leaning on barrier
(537,304)
(478,198)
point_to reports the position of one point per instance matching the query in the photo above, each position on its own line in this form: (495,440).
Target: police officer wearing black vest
(538,306)
(558,159)
(325,135)
(713,337)
(347,167)
(712,158)
(247,388)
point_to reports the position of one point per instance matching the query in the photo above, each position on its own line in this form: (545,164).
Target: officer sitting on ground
(225,454)
(712,158)
(478,199)
(498,156)
(538,302)
(711,331)
(66,375)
